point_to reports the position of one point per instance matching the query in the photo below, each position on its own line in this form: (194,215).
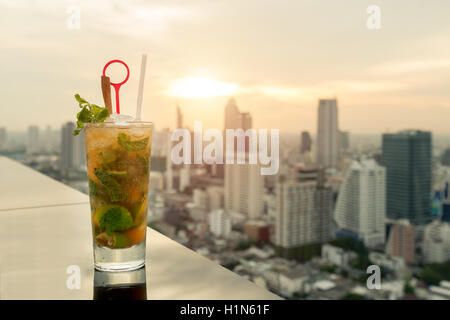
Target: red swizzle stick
(117,85)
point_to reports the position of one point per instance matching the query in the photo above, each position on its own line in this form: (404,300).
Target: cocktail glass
(118,168)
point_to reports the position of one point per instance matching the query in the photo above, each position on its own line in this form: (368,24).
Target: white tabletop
(38,244)
(23,187)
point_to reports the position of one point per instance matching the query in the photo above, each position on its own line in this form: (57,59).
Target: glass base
(116,260)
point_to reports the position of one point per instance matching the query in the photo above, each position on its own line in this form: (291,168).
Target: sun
(196,87)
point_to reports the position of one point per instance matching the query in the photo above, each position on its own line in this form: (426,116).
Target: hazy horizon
(276,60)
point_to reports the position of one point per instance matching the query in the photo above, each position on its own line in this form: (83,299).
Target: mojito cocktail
(118,166)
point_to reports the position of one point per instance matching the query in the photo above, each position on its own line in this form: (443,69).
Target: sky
(277,58)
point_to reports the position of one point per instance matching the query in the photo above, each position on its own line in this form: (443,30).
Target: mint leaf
(126,143)
(145,162)
(96,109)
(89,113)
(92,188)
(84,115)
(111,185)
(104,113)
(80,99)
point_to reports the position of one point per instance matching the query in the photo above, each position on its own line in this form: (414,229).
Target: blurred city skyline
(277,61)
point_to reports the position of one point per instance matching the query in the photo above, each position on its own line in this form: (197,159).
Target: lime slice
(113,218)
(137,207)
(125,142)
(111,185)
(117,174)
(121,240)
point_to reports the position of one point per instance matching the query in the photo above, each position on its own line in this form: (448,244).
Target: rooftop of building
(408,132)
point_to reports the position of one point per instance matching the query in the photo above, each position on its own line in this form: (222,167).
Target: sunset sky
(277,58)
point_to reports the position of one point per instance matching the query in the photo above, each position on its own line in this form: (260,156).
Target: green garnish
(126,143)
(113,218)
(117,174)
(121,240)
(92,188)
(137,207)
(145,162)
(111,185)
(89,113)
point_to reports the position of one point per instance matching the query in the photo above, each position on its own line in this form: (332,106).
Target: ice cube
(120,119)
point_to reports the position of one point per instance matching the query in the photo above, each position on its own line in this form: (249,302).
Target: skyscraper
(244,188)
(306,142)
(407,158)
(344,141)
(327,134)
(47,142)
(179,118)
(233,119)
(243,182)
(220,223)
(67,142)
(79,151)
(401,240)
(33,142)
(304,211)
(3,138)
(73,149)
(361,206)
(436,242)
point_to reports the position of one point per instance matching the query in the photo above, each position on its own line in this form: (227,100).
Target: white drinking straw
(141,87)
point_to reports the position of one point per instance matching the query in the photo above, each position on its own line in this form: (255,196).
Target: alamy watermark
(74,279)
(374,280)
(251,145)
(374,19)
(73,21)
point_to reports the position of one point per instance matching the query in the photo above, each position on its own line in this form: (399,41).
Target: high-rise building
(200,199)
(232,115)
(244,188)
(67,149)
(66,161)
(407,158)
(446,204)
(234,119)
(219,223)
(73,149)
(436,242)
(215,197)
(179,118)
(306,142)
(257,231)
(401,240)
(327,134)
(3,138)
(79,151)
(185,177)
(344,141)
(361,207)
(47,142)
(244,184)
(33,142)
(304,212)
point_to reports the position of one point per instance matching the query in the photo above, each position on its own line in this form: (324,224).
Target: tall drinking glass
(118,165)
